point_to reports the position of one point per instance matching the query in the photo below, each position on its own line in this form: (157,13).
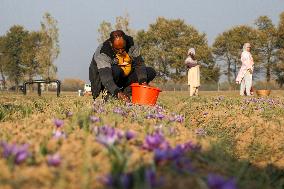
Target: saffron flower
(69,114)
(200,132)
(58,122)
(119,111)
(155,141)
(179,118)
(189,146)
(54,160)
(159,115)
(94,119)
(218,182)
(150,116)
(18,153)
(58,134)
(161,155)
(151,178)
(106,135)
(129,135)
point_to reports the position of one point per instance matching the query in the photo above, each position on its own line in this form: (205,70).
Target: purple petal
(94,119)
(58,122)
(69,114)
(59,134)
(218,182)
(54,160)
(129,135)
(21,157)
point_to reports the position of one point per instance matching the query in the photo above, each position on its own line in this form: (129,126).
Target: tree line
(165,43)
(25,55)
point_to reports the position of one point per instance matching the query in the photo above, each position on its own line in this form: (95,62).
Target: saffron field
(216,141)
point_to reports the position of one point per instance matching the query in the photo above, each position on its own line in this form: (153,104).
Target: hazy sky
(78,21)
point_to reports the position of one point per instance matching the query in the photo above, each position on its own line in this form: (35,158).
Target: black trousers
(124,82)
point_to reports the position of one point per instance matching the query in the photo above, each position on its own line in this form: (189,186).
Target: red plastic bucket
(145,95)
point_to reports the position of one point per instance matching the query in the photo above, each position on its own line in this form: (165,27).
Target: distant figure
(245,73)
(193,72)
(116,64)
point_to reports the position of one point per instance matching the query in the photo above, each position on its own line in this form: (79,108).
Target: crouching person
(116,64)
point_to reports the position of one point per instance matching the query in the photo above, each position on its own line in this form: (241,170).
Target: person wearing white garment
(193,72)
(245,73)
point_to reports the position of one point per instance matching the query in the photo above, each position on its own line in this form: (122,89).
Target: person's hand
(123,97)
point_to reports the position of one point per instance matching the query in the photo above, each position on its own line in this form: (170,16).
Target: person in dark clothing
(116,64)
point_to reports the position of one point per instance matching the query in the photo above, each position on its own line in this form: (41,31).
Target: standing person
(115,65)
(193,72)
(245,73)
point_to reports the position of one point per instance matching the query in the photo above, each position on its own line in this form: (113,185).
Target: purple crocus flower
(94,119)
(150,116)
(176,152)
(58,122)
(69,114)
(183,164)
(159,115)
(189,146)
(172,118)
(99,110)
(155,141)
(218,182)
(18,152)
(129,135)
(179,118)
(120,134)
(151,178)
(168,154)
(159,108)
(119,111)
(106,180)
(200,132)
(126,180)
(54,160)
(58,134)
(98,107)
(106,135)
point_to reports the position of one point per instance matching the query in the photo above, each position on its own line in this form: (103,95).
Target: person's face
(248,48)
(118,45)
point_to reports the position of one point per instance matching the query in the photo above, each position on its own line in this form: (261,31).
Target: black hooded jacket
(100,72)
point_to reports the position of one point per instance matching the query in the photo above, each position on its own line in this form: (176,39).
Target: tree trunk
(268,65)
(229,75)
(268,74)
(229,71)
(17,85)
(3,77)
(235,68)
